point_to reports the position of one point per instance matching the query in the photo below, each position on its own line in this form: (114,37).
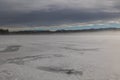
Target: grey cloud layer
(56,12)
(31,5)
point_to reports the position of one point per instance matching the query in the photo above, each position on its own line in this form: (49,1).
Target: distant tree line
(4,31)
(62,31)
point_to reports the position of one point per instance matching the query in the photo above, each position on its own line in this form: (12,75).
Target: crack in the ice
(22,60)
(82,49)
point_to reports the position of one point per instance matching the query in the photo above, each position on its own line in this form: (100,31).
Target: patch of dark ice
(11,48)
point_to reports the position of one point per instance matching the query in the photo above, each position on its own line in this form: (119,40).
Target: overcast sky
(57,12)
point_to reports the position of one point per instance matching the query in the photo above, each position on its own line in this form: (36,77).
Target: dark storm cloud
(57,12)
(56,17)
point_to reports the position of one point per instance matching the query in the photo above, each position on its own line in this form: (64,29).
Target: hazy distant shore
(29,32)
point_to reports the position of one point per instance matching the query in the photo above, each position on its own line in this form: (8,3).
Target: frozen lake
(78,56)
